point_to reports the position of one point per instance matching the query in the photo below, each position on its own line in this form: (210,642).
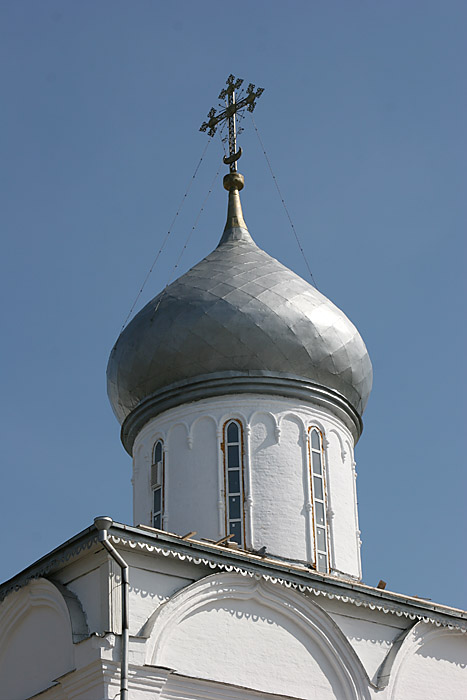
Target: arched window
(318,495)
(233,460)
(157,484)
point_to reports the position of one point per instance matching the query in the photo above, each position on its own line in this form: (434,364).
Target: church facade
(240,390)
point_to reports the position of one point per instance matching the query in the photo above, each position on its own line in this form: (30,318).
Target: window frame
(225,445)
(315,499)
(158,485)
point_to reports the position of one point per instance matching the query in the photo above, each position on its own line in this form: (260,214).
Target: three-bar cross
(232,107)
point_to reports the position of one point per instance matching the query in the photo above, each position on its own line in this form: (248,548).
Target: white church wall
(279,484)
(141,482)
(88,590)
(277,495)
(342,505)
(430,665)
(259,652)
(192,477)
(35,640)
(183,687)
(200,635)
(275,640)
(89,581)
(93,588)
(148,590)
(370,632)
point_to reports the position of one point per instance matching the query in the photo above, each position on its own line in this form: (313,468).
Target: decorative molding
(277,434)
(247,471)
(228,383)
(42,593)
(180,687)
(384,671)
(385,607)
(233,413)
(301,612)
(79,625)
(343,451)
(43,569)
(409,644)
(191,427)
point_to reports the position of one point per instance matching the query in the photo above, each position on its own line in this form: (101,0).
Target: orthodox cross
(229,113)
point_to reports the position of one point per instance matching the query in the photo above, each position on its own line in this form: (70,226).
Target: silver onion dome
(238,321)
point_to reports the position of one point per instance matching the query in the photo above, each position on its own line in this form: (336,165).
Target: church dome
(235,319)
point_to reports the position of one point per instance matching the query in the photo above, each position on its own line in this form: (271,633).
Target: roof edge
(147,540)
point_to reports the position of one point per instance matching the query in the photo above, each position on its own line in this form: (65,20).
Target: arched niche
(264,432)
(430,663)
(192,479)
(252,633)
(36,639)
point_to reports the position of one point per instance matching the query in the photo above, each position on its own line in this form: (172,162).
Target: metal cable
(167,235)
(172,274)
(283,202)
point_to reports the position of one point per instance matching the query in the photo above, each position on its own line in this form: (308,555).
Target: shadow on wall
(281,642)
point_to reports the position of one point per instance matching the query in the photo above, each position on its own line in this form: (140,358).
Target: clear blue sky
(363,118)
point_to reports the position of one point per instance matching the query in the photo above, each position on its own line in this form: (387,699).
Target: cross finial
(229,114)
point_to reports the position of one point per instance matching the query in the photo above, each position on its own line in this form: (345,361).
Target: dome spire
(235,227)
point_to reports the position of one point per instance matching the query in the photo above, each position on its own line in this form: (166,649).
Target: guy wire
(167,234)
(283,202)
(186,244)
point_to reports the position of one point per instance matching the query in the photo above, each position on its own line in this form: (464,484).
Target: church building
(240,391)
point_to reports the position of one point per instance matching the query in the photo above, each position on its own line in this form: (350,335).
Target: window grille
(234,481)
(157,484)
(318,494)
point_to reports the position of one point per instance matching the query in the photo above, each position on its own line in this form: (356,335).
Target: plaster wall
(35,640)
(276,641)
(276,474)
(431,664)
(148,590)
(88,589)
(370,640)
(192,476)
(265,651)
(280,486)
(370,632)
(220,635)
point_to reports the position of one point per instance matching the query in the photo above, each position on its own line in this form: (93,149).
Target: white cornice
(387,607)
(245,564)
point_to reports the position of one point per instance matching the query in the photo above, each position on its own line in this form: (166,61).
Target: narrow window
(157,484)
(318,494)
(233,481)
